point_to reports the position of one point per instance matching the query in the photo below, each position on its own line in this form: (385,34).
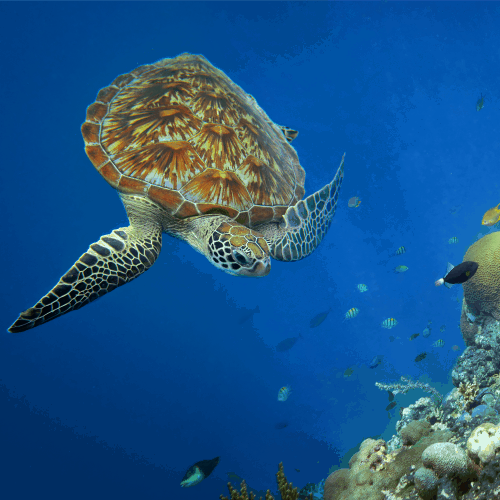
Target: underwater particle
(354,202)
(400,251)
(287,344)
(283,393)
(442,328)
(349,371)
(414,336)
(389,323)
(198,472)
(400,269)
(455,348)
(319,318)
(390,406)
(453,240)
(426,333)
(420,357)
(362,287)
(480,103)
(459,274)
(491,217)
(351,313)
(438,343)
(376,361)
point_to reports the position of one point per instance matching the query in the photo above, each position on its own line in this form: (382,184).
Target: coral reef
(482,291)
(286,489)
(414,431)
(484,443)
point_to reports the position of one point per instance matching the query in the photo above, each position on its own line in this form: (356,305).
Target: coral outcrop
(484,443)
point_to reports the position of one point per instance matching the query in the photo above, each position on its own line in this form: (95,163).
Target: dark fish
(392,338)
(287,344)
(391,396)
(281,425)
(443,328)
(390,406)
(319,318)
(400,251)
(414,336)
(420,357)
(376,361)
(199,471)
(297,470)
(248,315)
(459,274)
(349,372)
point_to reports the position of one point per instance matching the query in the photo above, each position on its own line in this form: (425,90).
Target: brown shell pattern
(182,133)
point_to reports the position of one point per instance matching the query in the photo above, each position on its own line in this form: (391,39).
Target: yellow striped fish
(453,240)
(352,313)
(401,250)
(389,323)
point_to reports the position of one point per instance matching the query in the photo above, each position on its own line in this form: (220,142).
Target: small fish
(287,344)
(442,328)
(354,202)
(458,274)
(492,216)
(319,318)
(429,322)
(400,269)
(426,333)
(400,251)
(480,103)
(389,323)
(198,472)
(283,393)
(455,348)
(281,425)
(362,287)
(453,240)
(414,336)
(391,395)
(438,343)
(471,317)
(420,357)
(349,372)
(376,361)
(351,313)
(392,338)
(297,470)
(390,406)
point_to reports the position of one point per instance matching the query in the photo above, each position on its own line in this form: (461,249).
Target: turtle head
(238,250)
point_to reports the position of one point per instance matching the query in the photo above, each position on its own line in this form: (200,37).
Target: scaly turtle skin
(194,156)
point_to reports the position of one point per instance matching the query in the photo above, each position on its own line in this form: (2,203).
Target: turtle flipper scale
(114,260)
(304,224)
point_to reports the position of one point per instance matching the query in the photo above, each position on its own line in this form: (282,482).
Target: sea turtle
(192,155)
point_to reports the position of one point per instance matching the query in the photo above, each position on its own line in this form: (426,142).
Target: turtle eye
(241,258)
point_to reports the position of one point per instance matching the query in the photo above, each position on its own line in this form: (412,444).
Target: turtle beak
(259,269)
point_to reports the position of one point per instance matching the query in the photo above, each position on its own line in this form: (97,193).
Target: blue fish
(376,361)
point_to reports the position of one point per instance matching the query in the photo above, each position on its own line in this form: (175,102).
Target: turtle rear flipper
(114,260)
(304,224)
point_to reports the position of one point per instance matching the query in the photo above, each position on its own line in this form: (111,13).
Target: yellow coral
(469,392)
(482,291)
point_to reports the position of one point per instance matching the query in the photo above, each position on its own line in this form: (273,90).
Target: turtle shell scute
(182,133)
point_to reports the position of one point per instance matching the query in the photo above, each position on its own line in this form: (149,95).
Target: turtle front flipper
(114,260)
(304,224)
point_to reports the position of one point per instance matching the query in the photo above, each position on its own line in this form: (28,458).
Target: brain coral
(482,291)
(447,459)
(426,483)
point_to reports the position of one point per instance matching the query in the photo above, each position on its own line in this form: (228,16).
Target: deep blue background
(118,399)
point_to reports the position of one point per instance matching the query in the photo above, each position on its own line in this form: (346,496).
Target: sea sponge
(414,431)
(447,459)
(426,483)
(484,442)
(482,291)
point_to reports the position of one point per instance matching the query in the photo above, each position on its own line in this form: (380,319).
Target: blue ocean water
(120,398)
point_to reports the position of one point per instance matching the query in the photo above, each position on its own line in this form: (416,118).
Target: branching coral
(408,384)
(469,392)
(286,489)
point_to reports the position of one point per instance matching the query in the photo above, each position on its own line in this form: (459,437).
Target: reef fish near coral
(390,406)
(400,251)
(287,344)
(480,103)
(389,323)
(376,361)
(362,287)
(354,202)
(319,318)
(420,357)
(492,216)
(400,269)
(199,471)
(453,240)
(283,393)
(438,343)
(426,333)
(459,274)
(414,336)
(351,313)
(349,371)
